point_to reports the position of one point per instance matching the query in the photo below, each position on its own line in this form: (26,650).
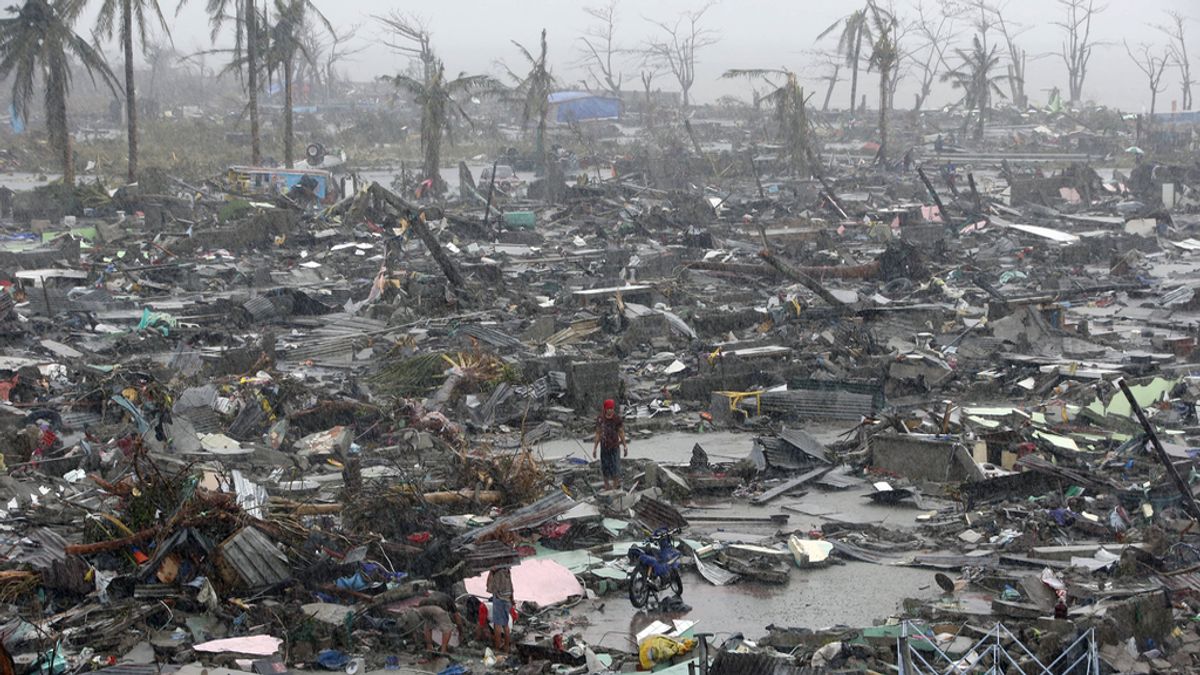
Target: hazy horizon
(473,36)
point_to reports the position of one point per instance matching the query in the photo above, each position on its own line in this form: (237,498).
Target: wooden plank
(790,485)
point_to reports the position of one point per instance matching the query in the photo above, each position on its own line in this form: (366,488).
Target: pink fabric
(542,582)
(254,645)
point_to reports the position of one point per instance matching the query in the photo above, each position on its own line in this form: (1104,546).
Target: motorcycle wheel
(676,583)
(639,587)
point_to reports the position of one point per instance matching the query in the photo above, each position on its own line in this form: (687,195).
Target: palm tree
(38,37)
(440,109)
(132,14)
(855,28)
(883,58)
(287,41)
(973,76)
(534,91)
(245,17)
(790,113)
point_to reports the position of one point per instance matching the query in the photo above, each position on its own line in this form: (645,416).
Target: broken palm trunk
(865,271)
(1189,500)
(936,199)
(791,272)
(416,217)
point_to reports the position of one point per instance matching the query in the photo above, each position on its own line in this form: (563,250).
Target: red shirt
(610,431)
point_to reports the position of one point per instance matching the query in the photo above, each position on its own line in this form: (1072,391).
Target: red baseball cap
(609,404)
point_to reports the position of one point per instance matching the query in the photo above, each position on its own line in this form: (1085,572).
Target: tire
(676,583)
(639,587)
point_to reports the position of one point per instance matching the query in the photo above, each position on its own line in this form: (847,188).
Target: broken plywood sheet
(1057,236)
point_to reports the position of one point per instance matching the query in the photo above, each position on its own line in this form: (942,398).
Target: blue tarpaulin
(17,122)
(579,106)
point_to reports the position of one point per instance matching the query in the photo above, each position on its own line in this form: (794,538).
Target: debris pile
(948,408)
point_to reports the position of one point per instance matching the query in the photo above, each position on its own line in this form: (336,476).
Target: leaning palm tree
(245,17)
(438,99)
(534,91)
(973,76)
(856,27)
(883,59)
(38,37)
(287,44)
(132,15)
(791,114)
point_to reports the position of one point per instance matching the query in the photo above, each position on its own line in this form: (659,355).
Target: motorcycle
(655,567)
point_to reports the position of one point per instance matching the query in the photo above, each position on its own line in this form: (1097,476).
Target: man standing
(499,585)
(610,438)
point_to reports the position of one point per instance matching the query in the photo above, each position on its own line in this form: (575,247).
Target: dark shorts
(500,612)
(610,462)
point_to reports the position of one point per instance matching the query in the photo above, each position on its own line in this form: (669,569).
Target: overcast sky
(471,35)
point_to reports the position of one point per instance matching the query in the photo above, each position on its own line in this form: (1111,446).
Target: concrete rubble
(937,414)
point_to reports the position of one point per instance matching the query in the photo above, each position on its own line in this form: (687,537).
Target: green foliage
(233,210)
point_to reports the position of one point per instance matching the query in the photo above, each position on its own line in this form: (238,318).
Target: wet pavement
(846,593)
(852,594)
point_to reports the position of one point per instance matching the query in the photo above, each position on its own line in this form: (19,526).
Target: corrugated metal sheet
(653,514)
(551,506)
(77,419)
(805,444)
(813,404)
(261,309)
(39,549)
(483,556)
(1183,583)
(255,558)
(136,669)
(817,405)
(491,336)
(759,663)
(204,420)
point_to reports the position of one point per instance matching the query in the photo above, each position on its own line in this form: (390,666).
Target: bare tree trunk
(252,80)
(540,144)
(883,108)
(288,142)
(833,80)
(431,135)
(58,130)
(984,102)
(854,71)
(131,113)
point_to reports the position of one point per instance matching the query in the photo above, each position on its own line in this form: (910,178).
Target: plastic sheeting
(542,582)
(579,106)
